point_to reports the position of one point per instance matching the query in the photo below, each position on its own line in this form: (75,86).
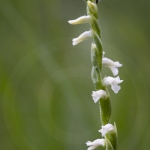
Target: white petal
(93,46)
(113,82)
(114,70)
(106,129)
(95,144)
(89,143)
(112,65)
(115,88)
(80,20)
(91,148)
(104,132)
(96,95)
(84,36)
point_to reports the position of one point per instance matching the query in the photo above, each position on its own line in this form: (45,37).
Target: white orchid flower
(112,65)
(113,82)
(106,129)
(95,144)
(96,95)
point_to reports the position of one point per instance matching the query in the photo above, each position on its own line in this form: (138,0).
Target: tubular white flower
(113,82)
(112,65)
(80,20)
(84,36)
(107,129)
(95,144)
(96,95)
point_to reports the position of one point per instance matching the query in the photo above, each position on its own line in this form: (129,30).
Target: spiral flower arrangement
(101,93)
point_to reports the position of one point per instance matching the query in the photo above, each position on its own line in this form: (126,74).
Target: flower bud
(93,7)
(84,36)
(80,20)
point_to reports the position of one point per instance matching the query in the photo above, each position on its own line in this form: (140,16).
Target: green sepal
(105,110)
(108,144)
(115,128)
(95,74)
(98,42)
(96,57)
(96,78)
(95,25)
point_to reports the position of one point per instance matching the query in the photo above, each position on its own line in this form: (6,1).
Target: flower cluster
(112,81)
(98,61)
(108,128)
(113,66)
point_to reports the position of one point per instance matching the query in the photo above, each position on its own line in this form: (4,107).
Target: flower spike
(98,60)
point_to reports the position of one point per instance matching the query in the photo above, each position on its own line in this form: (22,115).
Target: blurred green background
(45,83)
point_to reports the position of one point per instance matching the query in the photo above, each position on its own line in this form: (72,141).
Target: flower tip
(81,20)
(114,71)
(88,143)
(92,5)
(116,89)
(84,36)
(74,43)
(120,65)
(117,64)
(70,21)
(118,79)
(89,2)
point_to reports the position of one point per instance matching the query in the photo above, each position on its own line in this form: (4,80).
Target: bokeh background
(45,83)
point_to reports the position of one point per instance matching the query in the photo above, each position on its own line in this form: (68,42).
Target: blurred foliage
(45,84)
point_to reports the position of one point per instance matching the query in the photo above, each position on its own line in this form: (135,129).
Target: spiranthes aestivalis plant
(100,94)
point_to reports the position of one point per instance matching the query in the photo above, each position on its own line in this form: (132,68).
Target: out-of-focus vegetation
(45,83)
